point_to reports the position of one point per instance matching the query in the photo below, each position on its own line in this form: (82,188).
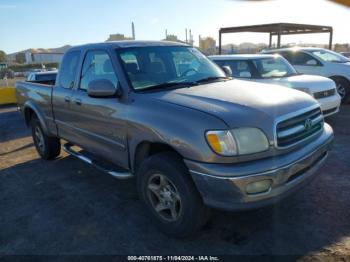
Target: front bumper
(224,185)
(330,105)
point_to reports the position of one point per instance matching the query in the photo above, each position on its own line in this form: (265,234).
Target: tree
(207,45)
(2,56)
(20,58)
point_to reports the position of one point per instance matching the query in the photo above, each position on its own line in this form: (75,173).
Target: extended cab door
(62,93)
(99,123)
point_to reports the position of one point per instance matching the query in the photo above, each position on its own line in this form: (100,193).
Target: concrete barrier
(7,95)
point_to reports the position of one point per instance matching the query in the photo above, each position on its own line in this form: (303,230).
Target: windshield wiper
(169,85)
(212,78)
(183,84)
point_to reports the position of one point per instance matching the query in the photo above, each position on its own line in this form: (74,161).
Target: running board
(115,173)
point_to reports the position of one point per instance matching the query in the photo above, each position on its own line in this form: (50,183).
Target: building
(29,57)
(42,57)
(118,37)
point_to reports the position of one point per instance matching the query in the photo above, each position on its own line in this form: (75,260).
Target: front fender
(182,129)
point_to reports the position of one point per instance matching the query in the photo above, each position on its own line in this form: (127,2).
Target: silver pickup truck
(192,137)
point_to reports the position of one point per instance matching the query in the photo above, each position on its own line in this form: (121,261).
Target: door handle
(67,99)
(78,101)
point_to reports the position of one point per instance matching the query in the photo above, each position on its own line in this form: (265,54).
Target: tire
(47,147)
(343,88)
(191,214)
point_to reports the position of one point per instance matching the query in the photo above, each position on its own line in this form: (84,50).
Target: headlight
(222,142)
(305,90)
(250,140)
(238,141)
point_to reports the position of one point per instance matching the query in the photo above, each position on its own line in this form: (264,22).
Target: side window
(300,58)
(69,69)
(97,65)
(240,69)
(288,56)
(219,62)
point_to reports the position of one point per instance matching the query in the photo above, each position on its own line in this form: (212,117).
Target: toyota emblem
(308,124)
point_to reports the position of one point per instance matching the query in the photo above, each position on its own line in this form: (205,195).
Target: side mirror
(312,62)
(103,88)
(227,70)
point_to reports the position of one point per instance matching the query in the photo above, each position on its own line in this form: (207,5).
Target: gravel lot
(67,207)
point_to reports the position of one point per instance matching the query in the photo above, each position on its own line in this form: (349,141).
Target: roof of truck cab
(240,56)
(128,43)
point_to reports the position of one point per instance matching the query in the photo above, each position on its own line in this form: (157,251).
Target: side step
(120,174)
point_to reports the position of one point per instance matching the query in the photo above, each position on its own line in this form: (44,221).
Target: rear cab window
(68,70)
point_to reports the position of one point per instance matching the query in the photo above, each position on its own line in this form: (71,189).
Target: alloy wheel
(164,197)
(341,90)
(39,139)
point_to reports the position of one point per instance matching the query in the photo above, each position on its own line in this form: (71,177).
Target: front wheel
(170,195)
(47,147)
(343,88)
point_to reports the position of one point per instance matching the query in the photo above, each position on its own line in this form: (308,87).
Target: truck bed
(36,94)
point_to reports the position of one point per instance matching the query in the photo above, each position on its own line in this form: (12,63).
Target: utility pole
(133,30)
(191,41)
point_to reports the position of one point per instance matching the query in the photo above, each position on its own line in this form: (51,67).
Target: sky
(54,23)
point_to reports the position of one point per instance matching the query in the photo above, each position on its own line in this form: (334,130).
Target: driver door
(99,123)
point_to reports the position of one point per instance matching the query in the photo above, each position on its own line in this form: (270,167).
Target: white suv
(319,61)
(274,69)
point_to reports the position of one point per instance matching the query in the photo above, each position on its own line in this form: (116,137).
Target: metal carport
(278,29)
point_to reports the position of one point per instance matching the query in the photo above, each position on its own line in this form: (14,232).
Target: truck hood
(312,82)
(239,103)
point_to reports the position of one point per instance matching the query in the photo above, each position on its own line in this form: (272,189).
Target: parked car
(346,54)
(319,61)
(37,70)
(274,69)
(7,73)
(163,113)
(47,77)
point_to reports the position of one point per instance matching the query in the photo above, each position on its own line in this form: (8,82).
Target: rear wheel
(170,195)
(47,147)
(343,88)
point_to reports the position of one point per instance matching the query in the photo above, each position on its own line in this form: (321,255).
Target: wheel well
(339,77)
(147,149)
(28,115)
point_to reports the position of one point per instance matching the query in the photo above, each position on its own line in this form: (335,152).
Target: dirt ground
(67,207)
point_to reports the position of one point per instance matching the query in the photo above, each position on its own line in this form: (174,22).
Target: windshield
(273,67)
(330,56)
(162,66)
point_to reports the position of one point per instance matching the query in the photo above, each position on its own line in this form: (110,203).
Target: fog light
(259,186)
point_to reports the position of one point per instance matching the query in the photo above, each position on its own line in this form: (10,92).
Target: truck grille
(299,128)
(323,94)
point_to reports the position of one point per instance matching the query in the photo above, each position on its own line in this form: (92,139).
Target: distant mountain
(61,49)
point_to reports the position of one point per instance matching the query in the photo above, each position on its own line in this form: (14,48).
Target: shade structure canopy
(278,29)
